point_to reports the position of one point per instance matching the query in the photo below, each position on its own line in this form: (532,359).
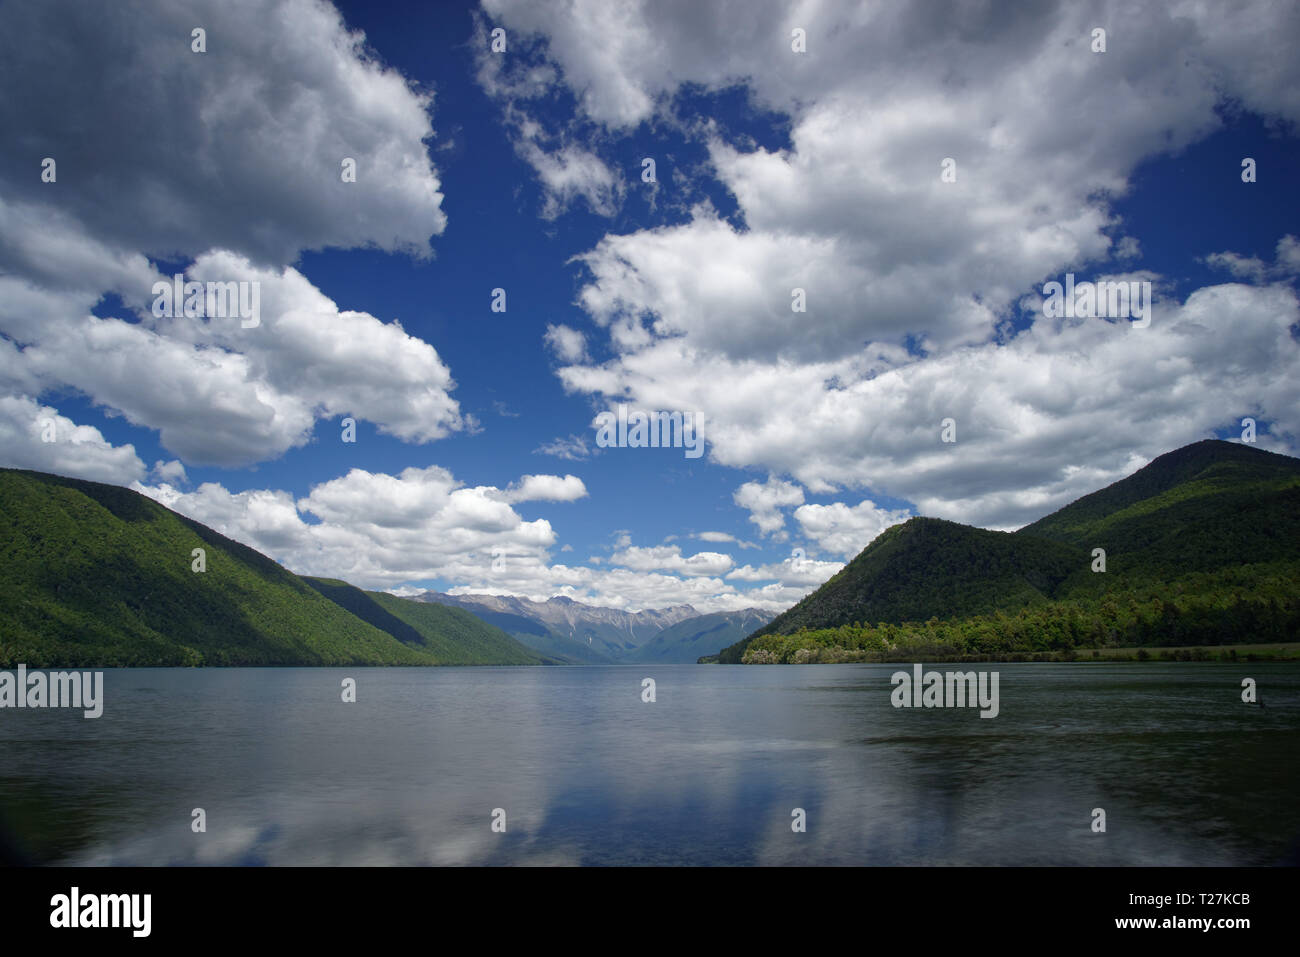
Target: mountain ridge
(98,575)
(1210,509)
(590,633)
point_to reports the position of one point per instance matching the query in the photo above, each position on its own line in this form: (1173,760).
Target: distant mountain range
(1201,546)
(96,575)
(573,631)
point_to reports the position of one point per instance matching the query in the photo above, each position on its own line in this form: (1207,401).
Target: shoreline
(1262,652)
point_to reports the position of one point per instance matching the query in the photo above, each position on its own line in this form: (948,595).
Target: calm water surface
(708,774)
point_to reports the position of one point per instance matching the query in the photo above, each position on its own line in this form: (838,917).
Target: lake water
(707,774)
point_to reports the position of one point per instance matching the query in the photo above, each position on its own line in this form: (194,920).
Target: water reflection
(708,774)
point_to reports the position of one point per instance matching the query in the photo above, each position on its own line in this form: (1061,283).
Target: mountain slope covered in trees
(97,575)
(1202,546)
(451,635)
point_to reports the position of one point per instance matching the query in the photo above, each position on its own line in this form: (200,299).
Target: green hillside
(450,635)
(95,575)
(928,566)
(1202,507)
(1202,547)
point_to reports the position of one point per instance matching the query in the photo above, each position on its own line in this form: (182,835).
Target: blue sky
(775,169)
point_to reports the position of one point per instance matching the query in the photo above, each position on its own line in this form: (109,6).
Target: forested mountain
(928,567)
(451,635)
(97,575)
(1201,546)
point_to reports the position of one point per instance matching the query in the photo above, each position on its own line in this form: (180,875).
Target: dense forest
(1245,605)
(1201,548)
(100,576)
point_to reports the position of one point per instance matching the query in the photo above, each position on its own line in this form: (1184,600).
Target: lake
(709,773)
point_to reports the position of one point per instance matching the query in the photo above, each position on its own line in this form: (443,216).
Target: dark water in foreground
(708,774)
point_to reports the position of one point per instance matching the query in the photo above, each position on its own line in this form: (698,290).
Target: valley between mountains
(1199,549)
